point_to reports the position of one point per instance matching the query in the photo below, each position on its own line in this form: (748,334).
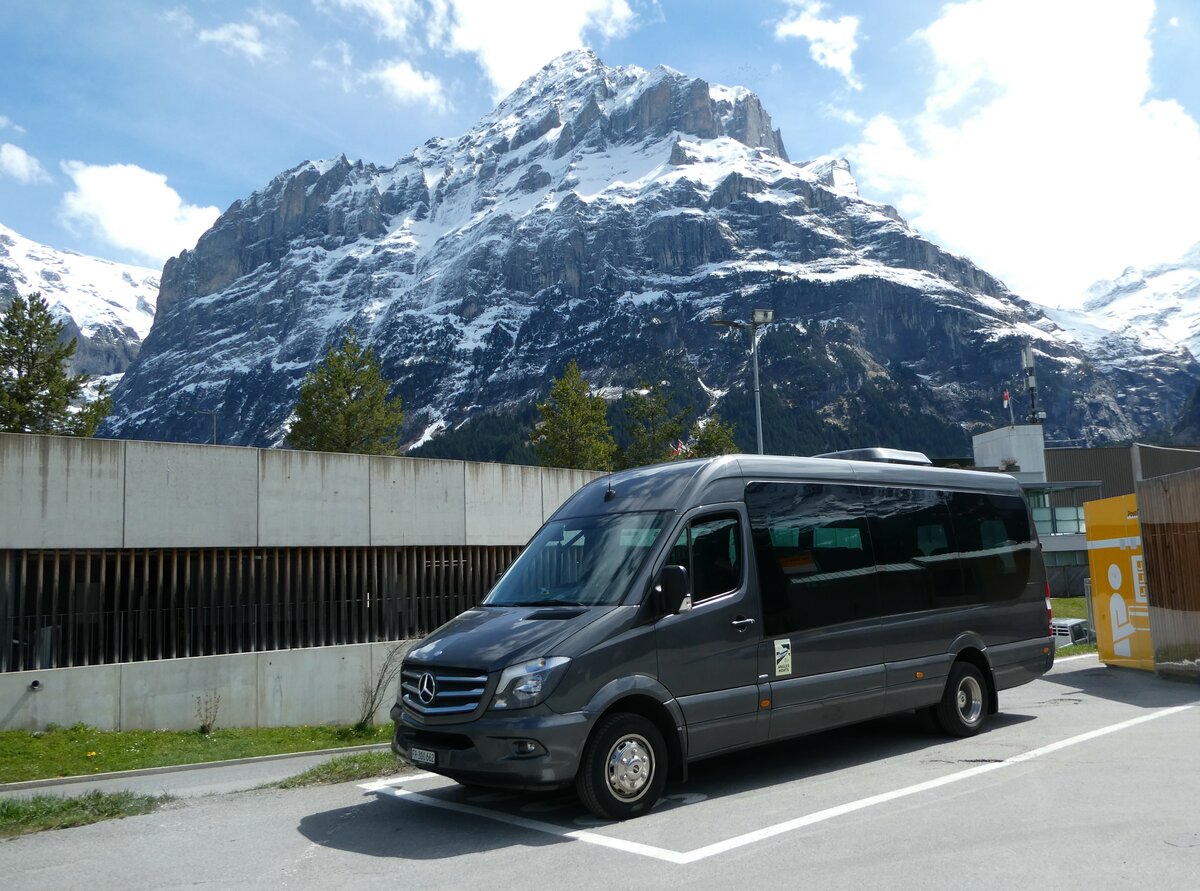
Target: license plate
(422,756)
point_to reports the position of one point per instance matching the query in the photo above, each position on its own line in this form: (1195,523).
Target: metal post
(213,414)
(757,400)
(758,317)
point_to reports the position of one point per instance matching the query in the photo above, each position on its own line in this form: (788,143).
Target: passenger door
(822,652)
(708,655)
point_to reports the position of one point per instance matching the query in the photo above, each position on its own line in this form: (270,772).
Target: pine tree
(714,438)
(574,429)
(653,432)
(344,405)
(36,391)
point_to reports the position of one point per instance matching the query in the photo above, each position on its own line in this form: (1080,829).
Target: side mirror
(674,590)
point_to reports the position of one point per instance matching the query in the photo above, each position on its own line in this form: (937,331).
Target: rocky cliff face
(609,215)
(107,307)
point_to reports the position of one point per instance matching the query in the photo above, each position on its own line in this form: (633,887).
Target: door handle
(741,623)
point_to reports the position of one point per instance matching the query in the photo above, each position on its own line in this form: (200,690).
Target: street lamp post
(757,317)
(212,413)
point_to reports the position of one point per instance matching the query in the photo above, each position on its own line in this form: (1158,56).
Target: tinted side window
(711,549)
(994,540)
(813,554)
(915,550)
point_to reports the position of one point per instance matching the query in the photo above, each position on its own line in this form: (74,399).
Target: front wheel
(963,708)
(624,767)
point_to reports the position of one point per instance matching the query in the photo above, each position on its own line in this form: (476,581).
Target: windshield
(581,561)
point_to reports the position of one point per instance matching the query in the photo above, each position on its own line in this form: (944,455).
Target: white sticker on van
(783,657)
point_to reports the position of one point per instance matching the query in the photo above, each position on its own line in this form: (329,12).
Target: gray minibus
(675,612)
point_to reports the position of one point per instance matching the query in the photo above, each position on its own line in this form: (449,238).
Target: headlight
(527,684)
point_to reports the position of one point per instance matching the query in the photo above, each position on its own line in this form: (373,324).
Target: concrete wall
(418,502)
(189,497)
(60,492)
(55,489)
(313,499)
(272,689)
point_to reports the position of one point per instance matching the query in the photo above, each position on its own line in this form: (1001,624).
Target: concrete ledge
(273,688)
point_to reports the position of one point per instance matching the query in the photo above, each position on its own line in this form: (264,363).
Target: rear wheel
(624,767)
(963,708)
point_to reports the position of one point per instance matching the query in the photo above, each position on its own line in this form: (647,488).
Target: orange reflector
(766,703)
(920,674)
(1045,651)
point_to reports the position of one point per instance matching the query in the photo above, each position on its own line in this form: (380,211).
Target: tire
(624,767)
(963,709)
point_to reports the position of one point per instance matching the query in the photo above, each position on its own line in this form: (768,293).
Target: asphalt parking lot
(1085,779)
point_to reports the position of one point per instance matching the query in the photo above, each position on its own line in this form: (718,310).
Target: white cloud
(511,47)
(133,209)
(845,115)
(179,17)
(245,38)
(831,42)
(1038,152)
(237,37)
(274,20)
(408,85)
(20,165)
(6,123)
(393,18)
(509,41)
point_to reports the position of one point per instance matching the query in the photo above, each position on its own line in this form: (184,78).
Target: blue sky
(1054,142)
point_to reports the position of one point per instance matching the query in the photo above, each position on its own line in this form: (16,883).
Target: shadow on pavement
(391,827)
(387,828)
(1128,685)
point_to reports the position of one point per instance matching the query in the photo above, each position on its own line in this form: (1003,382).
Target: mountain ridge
(609,214)
(107,307)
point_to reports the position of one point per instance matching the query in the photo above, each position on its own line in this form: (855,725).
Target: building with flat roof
(1058,481)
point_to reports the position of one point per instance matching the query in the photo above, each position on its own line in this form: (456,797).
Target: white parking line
(749,838)
(390,782)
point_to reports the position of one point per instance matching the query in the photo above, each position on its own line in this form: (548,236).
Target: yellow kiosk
(1120,605)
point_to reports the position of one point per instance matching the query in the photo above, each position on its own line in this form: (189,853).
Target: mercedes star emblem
(427,688)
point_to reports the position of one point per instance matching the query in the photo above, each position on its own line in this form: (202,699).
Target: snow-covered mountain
(609,215)
(108,307)
(1157,304)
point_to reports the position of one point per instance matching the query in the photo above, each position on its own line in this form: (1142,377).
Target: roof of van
(678,485)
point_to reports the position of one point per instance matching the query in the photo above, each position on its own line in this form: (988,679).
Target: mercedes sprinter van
(675,612)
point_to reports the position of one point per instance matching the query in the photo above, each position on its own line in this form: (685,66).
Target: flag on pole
(1006,398)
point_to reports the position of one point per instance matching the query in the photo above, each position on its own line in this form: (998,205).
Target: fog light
(526,747)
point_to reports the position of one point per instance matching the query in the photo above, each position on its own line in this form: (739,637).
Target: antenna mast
(1036,416)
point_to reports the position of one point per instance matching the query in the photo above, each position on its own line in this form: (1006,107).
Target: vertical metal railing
(95,607)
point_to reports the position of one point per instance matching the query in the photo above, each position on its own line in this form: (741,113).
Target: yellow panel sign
(1120,603)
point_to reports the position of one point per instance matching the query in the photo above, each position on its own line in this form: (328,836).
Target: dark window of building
(813,553)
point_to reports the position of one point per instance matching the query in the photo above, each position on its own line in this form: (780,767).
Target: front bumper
(485,751)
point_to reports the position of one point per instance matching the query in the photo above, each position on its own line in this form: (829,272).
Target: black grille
(456,691)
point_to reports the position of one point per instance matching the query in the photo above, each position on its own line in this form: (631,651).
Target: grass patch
(20,816)
(78,750)
(1069,607)
(345,768)
(1078,649)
